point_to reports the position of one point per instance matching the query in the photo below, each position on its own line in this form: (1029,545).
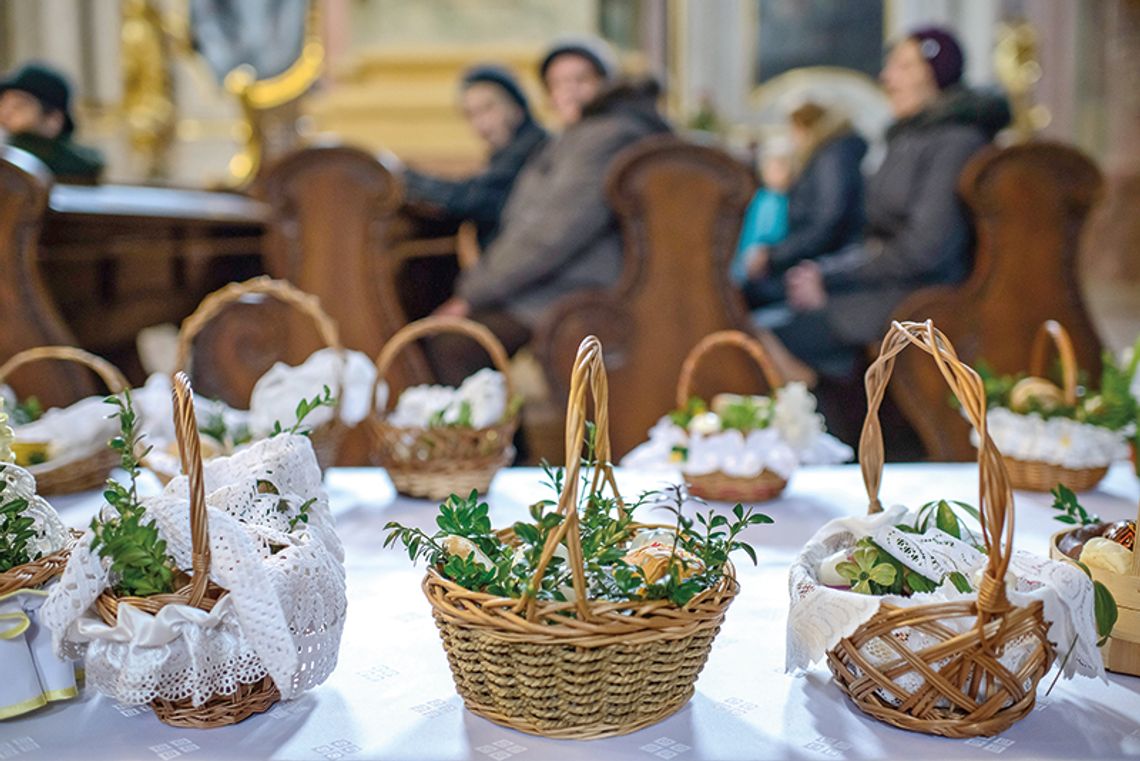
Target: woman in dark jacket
(497,110)
(918,233)
(825,202)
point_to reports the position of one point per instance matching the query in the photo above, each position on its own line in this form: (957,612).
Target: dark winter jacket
(825,203)
(918,232)
(480,198)
(68,161)
(558,235)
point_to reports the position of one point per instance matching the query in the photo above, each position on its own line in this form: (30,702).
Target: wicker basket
(195,590)
(89,471)
(965,691)
(1121,653)
(584,669)
(437,462)
(326,438)
(720,486)
(35,574)
(1044,476)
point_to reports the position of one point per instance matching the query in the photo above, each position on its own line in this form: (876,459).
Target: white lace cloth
(1058,441)
(32,675)
(796,437)
(820,616)
(73,432)
(285,609)
(51,535)
(485,393)
(275,395)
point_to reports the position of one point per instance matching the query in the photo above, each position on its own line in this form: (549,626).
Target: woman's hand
(453,307)
(757,262)
(805,287)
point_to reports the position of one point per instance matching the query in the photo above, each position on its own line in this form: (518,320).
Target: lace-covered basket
(260,614)
(326,437)
(1044,474)
(435,462)
(717,485)
(940,667)
(86,467)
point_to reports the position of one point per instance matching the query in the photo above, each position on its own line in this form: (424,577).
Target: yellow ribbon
(20,617)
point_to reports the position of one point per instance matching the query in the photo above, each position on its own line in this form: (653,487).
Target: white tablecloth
(392,697)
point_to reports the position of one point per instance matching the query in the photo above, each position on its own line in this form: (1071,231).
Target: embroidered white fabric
(796,437)
(485,393)
(72,432)
(820,616)
(1058,441)
(51,534)
(286,604)
(275,395)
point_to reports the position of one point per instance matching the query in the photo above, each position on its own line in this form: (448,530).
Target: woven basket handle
(588,377)
(725,338)
(285,292)
(108,373)
(430,326)
(1053,333)
(995,495)
(189,449)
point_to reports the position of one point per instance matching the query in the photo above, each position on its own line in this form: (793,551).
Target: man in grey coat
(918,233)
(557,234)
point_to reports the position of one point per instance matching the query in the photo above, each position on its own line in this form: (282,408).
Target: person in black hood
(497,110)
(558,233)
(825,201)
(35,114)
(918,233)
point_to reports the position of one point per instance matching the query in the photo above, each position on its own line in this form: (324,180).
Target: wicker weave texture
(197,591)
(718,486)
(965,691)
(583,669)
(437,462)
(326,438)
(74,474)
(1044,476)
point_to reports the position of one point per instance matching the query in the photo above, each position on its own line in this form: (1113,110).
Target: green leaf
(1104,609)
(947,521)
(960,582)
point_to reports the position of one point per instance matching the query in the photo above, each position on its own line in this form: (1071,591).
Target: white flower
(7,436)
(1107,555)
(486,393)
(795,416)
(705,423)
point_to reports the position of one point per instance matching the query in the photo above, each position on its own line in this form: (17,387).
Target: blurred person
(497,110)
(824,201)
(35,116)
(766,219)
(558,234)
(918,233)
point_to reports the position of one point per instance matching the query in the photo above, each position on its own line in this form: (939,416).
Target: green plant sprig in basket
(139,561)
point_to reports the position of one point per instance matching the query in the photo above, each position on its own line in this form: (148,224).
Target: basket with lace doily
(327,434)
(548,647)
(738,448)
(34,547)
(937,631)
(257,599)
(65,449)
(1050,434)
(460,440)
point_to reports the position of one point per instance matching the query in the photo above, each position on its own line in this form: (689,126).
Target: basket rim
(496,613)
